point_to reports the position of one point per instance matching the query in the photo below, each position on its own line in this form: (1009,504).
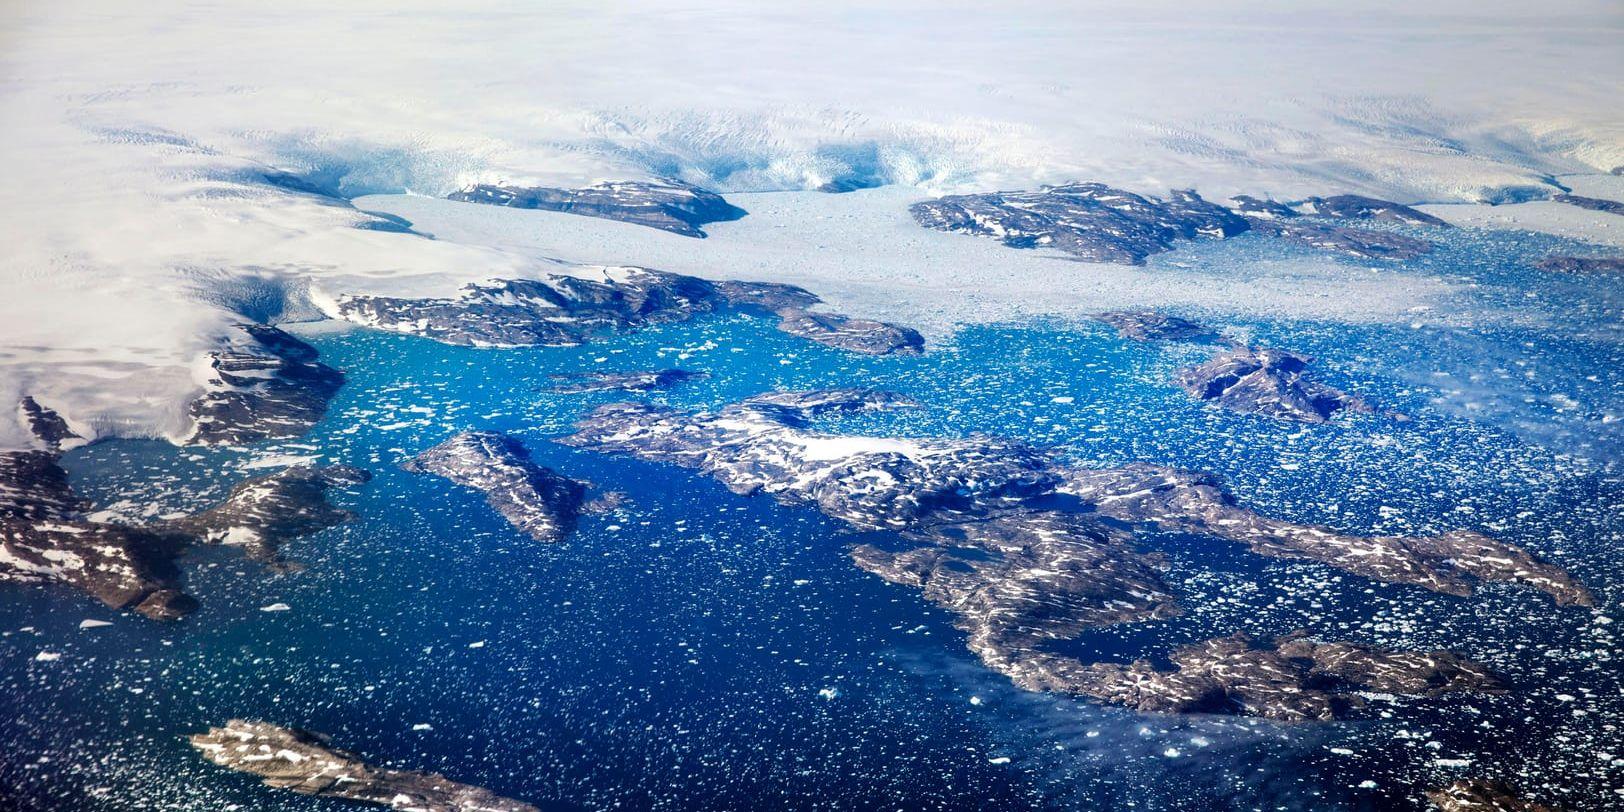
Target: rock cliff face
(267,384)
(570,310)
(45,534)
(668,206)
(1015,546)
(536,500)
(1268,382)
(308,763)
(1097,223)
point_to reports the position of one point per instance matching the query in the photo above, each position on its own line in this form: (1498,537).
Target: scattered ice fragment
(275,607)
(87,623)
(48,656)
(477,644)
(828,693)
(975,700)
(422,726)
(998,760)
(1061,400)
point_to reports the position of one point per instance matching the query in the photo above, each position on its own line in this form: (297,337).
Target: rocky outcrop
(1018,548)
(1478,795)
(49,429)
(1582,265)
(815,402)
(265,384)
(1197,503)
(309,764)
(46,534)
(635,381)
(864,336)
(567,310)
(1268,382)
(1591,203)
(1359,207)
(1149,325)
(1249,206)
(536,500)
(1090,221)
(261,514)
(1296,679)
(666,205)
(1355,242)
(1097,223)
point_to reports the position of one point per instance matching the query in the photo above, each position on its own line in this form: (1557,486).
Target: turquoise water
(699,650)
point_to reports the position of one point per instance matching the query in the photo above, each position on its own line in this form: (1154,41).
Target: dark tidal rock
(564,310)
(1478,795)
(536,500)
(634,381)
(1269,382)
(1582,265)
(46,534)
(1591,203)
(1149,325)
(666,205)
(308,763)
(1359,207)
(1024,551)
(265,384)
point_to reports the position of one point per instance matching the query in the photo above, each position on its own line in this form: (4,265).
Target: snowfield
(139,223)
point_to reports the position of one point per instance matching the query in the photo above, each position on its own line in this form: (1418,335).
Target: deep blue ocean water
(699,650)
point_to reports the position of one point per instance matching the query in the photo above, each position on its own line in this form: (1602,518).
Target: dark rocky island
(864,336)
(814,402)
(1582,265)
(1477,795)
(262,513)
(1591,203)
(45,534)
(636,381)
(1090,221)
(266,384)
(536,500)
(1196,502)
(1025,551)
(308,763)
(1359,207)
(666,205)
(1149,325)
(1097,223)
(564,310)
(1355,242)
(1268,382)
